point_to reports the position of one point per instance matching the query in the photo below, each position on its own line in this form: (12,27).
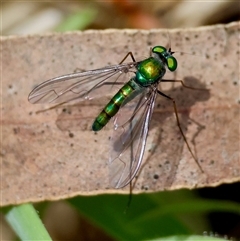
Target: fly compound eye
(171,63)
(166,55)
(159,50)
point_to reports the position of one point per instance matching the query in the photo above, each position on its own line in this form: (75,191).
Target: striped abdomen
(113,106)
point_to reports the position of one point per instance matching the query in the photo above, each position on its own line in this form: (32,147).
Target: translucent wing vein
(81,85)
(129,139)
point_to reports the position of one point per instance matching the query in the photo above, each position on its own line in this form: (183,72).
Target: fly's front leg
(130,186)
(179,126)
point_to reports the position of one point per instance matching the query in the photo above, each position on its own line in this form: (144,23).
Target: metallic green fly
(130,118)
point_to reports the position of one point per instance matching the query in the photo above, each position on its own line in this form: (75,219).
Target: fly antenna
(169,42)
(150,51)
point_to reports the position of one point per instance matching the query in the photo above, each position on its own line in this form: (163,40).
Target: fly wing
(129,138)
(80,85)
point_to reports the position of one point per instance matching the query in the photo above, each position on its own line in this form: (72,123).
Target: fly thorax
(150,71)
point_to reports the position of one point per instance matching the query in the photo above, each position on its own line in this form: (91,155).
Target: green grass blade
(25,221)
(151,215)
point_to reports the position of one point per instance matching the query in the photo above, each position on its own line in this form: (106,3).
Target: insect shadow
(167,143)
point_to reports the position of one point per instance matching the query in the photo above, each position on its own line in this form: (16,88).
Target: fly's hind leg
(199,129)
(180,128)
(131,185)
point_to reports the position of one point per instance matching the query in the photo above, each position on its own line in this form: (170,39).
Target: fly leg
(129,53)
(180,81)
(199,129)
(179,126)
(131,185)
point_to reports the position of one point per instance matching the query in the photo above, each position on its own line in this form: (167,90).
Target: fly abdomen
(113,106)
